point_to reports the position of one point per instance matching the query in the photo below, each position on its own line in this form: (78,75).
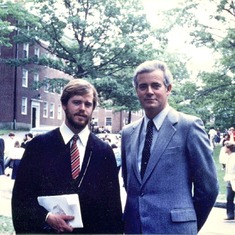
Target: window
(24,106)
(36,52)
(47,85)
(25,50)
(108,121)
(45,109)
(52,110)
(59,112)
(25,78)
(36,80)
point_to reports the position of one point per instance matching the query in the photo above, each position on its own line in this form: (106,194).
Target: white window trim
(36,51)
(59,112)
(36,79)
(26,48)
(24,105)
(45,109)
(25,78)
(52,110)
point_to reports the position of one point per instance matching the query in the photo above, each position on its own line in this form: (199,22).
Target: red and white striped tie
(75,158)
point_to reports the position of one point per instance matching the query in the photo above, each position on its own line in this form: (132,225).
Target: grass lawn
(220,172)
(6,226)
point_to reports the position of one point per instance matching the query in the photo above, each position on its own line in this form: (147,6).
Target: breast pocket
(173,150)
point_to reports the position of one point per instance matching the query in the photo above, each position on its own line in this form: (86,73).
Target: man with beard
(46,170)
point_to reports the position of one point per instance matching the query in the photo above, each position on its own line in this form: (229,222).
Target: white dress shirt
(67,135)
(157,120)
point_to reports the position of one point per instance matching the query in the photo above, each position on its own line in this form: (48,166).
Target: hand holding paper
(64,204)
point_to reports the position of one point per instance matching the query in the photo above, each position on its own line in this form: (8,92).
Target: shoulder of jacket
(179,116)
(132,125)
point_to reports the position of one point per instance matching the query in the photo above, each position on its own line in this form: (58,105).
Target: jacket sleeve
(113,213)
(203,171)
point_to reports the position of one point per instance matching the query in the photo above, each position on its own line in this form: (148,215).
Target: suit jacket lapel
(134,138)
(162,142)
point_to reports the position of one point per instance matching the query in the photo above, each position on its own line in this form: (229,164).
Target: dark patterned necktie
(75,158)
(147,147)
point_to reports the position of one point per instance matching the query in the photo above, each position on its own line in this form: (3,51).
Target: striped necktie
(147,147)
(75,158)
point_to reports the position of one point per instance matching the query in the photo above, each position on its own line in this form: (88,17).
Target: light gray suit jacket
(180,184)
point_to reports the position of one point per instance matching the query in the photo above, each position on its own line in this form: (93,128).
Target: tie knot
(75,137)
(150,124)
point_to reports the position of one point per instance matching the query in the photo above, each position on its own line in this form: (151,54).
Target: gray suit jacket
(180,184)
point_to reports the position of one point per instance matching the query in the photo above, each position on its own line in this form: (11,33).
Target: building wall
(7,85)
(12,91)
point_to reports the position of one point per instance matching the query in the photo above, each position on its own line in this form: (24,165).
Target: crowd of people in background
(226,141)
(227,136)
(11,152)
(216,137)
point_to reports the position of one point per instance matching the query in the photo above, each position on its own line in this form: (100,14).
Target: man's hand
(60,222)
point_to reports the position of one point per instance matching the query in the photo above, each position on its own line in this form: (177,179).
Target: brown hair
(78,87)
(230,145)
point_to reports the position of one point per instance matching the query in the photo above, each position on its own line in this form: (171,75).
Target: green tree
(101,41)
(210,24)
(8,10)
(96,40)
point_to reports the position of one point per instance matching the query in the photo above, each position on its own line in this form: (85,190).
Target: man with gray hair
(168,169)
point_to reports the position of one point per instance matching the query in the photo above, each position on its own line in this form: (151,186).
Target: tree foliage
(97,40)
(9,10)
(103,41)
(210,24)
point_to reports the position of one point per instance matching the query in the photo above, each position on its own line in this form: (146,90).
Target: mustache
(80,114)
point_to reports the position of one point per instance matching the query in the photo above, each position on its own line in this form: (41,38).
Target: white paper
(64,204)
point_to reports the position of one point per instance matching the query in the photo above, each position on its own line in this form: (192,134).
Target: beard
(76,125)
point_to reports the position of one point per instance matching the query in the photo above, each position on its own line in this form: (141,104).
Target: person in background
(69,160)
(16,154)
(2,149)
(230,178)
(28,137)
(231,133)
(117,153)
(9,146)
(212,133)
(168,168)
(217,137)
(223,155)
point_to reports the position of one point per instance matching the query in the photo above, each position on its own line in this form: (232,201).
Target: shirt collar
(67,134)
(158,119)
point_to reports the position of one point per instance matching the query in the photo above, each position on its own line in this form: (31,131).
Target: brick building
(24,106)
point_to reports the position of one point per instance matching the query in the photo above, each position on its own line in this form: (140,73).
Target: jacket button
(142,194)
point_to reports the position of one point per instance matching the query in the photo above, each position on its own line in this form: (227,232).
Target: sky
(201,58)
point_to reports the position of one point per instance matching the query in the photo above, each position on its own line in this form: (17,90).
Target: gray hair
(150,66)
